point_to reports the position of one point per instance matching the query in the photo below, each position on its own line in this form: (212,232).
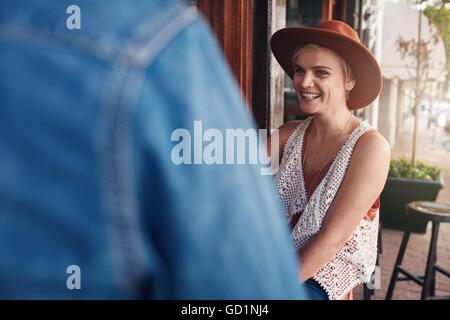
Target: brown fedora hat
(341,38)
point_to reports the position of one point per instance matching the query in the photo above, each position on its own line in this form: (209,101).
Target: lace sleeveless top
(354,263)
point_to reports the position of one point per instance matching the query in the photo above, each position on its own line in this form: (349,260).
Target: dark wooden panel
(231,21)
(334,9)
(340,10)
(260,103)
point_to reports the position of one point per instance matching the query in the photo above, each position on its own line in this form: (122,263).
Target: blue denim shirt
(86,179)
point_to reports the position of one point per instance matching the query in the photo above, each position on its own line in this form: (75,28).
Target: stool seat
(435,211)
(438,213)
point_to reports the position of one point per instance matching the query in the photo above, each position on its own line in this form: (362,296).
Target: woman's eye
(321,72)
(299,71)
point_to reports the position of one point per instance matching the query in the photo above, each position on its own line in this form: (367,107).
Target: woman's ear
(350,84)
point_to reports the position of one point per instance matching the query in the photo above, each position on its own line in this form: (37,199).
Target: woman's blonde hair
(348,73)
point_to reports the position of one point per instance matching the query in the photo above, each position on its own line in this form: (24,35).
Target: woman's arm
(362,184)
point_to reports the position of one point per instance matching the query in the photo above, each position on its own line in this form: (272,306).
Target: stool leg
(401,252)
(429,280)
(433,275)
(366,292)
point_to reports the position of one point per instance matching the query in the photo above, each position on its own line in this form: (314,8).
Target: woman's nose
(307,80)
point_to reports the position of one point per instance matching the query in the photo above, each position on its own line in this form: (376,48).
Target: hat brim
(364,65)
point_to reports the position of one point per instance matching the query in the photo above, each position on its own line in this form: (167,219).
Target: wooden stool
(437,213)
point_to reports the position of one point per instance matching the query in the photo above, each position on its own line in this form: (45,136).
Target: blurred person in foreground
(91,204)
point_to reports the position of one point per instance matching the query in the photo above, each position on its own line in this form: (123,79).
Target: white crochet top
(355,262)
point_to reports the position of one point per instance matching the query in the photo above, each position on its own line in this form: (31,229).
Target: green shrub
(402,168)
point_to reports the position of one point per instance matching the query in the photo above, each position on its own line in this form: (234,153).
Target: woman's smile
(308,97)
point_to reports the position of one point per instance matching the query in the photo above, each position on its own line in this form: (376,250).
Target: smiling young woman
(333,165)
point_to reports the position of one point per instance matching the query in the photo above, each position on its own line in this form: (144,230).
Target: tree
(439,13)
(417,55)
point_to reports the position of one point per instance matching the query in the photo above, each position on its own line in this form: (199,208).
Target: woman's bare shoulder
(372,152)
(286,130)
(373,141)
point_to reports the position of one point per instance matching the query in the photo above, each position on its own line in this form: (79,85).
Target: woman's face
(319,80)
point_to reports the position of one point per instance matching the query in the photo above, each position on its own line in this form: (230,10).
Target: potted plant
(406,183)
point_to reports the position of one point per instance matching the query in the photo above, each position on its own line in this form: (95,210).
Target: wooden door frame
(232,23)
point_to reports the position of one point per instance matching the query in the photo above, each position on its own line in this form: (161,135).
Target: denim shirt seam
(117,109)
